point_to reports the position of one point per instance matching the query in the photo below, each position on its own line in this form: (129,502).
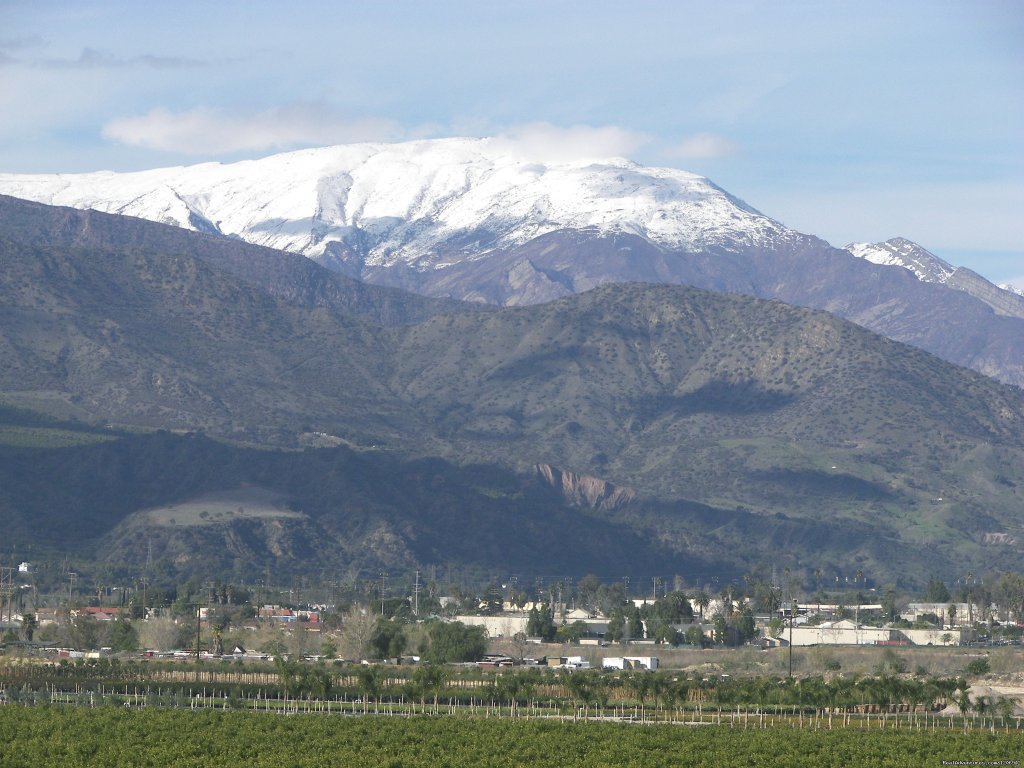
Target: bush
(977,667)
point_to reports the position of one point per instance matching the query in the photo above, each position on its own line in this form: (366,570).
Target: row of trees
(592,689)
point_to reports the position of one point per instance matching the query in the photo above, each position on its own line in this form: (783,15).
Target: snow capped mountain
(929,268)
(900,252)
(426,204)
(473,219)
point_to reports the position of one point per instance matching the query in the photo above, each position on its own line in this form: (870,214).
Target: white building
(962,612)
(949,636)
(843,632)
(630,662)
(497,626)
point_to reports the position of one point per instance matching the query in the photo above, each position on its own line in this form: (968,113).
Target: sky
(850,121)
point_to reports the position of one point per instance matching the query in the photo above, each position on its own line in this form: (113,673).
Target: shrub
(977,667)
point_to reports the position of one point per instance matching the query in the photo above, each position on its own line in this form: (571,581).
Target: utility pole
(792,619)
(416,596)
(6,590)
(199,621)
(383,576)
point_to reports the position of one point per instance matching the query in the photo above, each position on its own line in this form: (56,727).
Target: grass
(48,437)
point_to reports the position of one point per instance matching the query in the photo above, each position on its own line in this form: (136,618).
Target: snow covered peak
(929,268)
(1012,289)
(900,252)
(414,202)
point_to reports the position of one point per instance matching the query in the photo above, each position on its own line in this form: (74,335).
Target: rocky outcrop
(584,490)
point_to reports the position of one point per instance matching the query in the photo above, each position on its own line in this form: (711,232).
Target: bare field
(1006,663)
(246,501)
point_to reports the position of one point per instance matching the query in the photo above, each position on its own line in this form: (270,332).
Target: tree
(702,600)
(673,608)
(721,629)
(356,631)
(370,678)
(571,633)
(695,637)
(745,626)
(493,603)
(768,598)
(28,625)
(635,626)
(388,639)
(329,649)
(663,632)
(454,642)
(428,679)
(616,625)
(1008,595)
(936,592)
(540,623)
(84,633)
(587,590)
(728,596)
(889,603)
(610,597)
(123,637)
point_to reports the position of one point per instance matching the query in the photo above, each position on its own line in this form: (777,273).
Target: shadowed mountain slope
(782,423)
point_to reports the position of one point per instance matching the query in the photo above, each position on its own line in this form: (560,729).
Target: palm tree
(963,703)
(702,600)
(728,595)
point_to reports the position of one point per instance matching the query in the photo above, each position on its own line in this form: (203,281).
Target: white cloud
(211,132)
(543,141)
(703,146)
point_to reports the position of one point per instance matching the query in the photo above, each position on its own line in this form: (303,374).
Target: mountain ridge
(470,219)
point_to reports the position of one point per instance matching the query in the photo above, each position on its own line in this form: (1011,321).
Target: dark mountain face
(282,275)
(738,424)
(804,271)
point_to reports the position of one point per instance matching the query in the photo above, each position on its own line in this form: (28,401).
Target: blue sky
(851,121)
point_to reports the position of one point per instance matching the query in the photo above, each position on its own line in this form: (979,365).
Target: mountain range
(473,219)
(662,428)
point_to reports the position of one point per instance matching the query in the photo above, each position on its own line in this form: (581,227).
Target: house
(100,613)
